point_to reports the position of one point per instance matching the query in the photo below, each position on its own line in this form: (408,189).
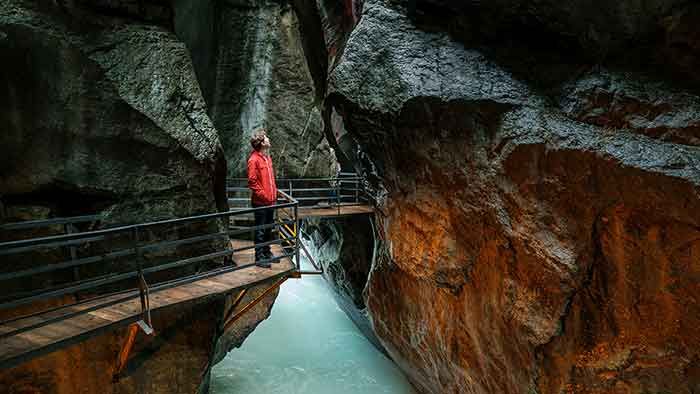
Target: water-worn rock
(534,240)
(633,102)
(103,114)
(251,65)
(655,33)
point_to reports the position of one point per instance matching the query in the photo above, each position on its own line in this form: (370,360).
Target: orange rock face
(540,213)
(565,273)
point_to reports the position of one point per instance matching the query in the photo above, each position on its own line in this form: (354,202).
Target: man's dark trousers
(262,217)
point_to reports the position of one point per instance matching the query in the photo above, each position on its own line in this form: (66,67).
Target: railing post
(357,190)
(68,228)
(290,189)
(297,231)
(146,326)
(337,194)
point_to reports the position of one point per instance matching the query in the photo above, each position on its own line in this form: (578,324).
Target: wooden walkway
(323,212)
(332,211)
(26,345)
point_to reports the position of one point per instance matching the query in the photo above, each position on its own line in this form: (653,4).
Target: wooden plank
(174,295)
(14,346)
(311,211)
(109,314)
(345,210)
(215,284)
(128,308)
(39,340)
(58,332)
(5,329)
(47,338)
(40,318)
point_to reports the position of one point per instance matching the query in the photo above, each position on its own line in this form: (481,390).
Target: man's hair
(257,139)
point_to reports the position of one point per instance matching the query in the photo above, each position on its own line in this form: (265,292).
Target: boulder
(103,115)
(533,240)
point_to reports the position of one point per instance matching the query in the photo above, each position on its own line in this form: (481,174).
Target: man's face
(266,143)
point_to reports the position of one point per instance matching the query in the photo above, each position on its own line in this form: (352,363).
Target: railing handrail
(29,224)
(342,175)
(138,226)
(285,180)
(339,191)
(345,188)
(287,196)
(132,247)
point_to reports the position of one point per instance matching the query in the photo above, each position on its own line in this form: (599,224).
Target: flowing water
(307,345)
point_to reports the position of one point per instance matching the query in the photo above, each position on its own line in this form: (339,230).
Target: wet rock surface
(536,169)
(103,116)
(345,248)
(658,34)
(251,65)
(634,103)
(538,235)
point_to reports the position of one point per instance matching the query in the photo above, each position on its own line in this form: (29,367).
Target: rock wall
(541,219)
(251,65)
(102,114)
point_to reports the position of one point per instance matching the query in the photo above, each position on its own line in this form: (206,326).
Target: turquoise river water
(308,345)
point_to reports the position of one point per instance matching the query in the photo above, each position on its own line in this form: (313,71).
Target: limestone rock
(251,65)
(636,103)
(103,114)
(534,240)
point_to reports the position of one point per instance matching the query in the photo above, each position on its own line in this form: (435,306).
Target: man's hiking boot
(228,260)
(269,255)
(265,264)
(260,261)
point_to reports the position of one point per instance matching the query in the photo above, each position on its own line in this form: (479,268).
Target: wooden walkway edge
(333,211)
(23,346)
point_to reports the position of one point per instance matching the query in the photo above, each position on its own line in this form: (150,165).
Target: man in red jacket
(261,181)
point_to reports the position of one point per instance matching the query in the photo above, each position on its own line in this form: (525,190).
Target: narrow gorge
(534,169)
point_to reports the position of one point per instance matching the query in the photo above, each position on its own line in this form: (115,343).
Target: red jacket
(261,179)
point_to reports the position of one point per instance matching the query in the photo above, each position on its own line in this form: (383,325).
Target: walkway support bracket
(126,350)
(144,292)
(234,305)
(251,304)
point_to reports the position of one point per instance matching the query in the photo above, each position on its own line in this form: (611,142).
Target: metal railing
(346,189)
(111,263)
(114,262)
(65,225)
